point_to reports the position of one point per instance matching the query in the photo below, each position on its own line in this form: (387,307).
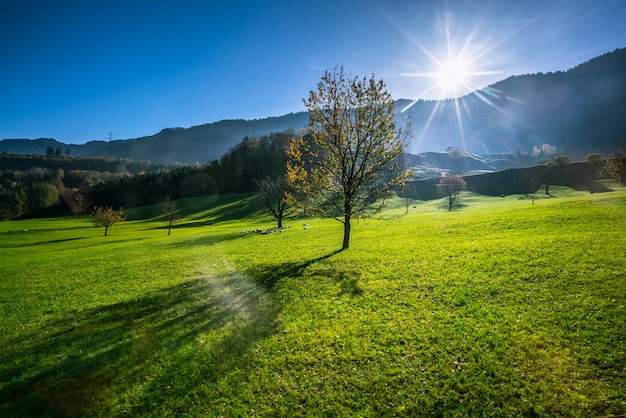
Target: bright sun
(453,75)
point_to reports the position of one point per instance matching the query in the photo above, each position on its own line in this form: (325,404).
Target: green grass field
(499,308)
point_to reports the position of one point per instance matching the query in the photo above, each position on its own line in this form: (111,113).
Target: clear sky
(79,70)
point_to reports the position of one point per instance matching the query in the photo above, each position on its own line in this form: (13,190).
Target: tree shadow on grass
(349,284)
(457,206)
(152,353)
(591,187)
(206,240)
(268,275)
(54,241)
(227,212)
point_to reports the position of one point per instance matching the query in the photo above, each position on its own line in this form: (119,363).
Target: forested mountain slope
(577,111)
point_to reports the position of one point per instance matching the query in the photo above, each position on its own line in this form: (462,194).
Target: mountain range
(577,111)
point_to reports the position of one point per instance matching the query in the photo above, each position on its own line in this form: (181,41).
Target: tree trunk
(106,228)
(169,228)
(280,221)
(346,232)
(450,200)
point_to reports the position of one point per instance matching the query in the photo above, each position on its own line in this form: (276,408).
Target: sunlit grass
(498,308)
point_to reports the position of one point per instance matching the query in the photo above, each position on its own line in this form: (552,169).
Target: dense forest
(33,186)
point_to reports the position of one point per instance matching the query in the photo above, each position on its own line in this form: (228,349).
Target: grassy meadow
(499,308)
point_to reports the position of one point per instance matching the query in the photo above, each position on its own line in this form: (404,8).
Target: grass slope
(502,308)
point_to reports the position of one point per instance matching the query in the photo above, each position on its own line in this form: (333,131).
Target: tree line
(24,162)
(254,158)
(35,190)
(247,167)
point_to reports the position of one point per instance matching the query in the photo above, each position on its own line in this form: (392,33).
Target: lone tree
(451,186)
(615,165)
(556,170)
(348,162)
(107,217)
(274,198)
(532,184)
(171,212)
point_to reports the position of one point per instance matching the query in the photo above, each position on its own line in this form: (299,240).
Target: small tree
(348,163)
(594,158)
(561,161)
(451,187)
(107,217)
(409,190)
(533,186)
(274,198)
(555,170)
(615,165)
(171,212)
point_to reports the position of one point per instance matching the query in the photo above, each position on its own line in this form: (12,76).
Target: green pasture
(498,308)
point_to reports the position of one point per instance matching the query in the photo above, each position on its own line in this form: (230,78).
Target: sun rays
(453,77)
(458,66)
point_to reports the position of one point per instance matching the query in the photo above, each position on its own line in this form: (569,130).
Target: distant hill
(579,111)
(40,145)
(201,143)
(432,164)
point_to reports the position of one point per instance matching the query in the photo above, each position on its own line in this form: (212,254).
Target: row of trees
(51,152)
(105,165)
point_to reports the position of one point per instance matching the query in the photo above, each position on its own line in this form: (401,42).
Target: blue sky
(79,70)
